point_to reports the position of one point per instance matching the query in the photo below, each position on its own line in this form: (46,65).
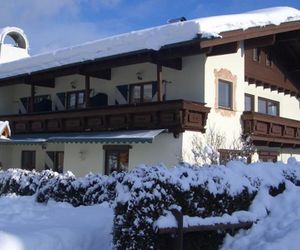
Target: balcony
(271,130)
(176,116)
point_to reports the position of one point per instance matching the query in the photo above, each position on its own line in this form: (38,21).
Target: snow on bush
(21,182)
(89,190)
(144,196)
(147,193)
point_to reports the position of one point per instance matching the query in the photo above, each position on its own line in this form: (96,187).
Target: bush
(146,193)
(141,196)
(89,190)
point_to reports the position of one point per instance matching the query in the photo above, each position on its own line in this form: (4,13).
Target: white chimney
(13,44)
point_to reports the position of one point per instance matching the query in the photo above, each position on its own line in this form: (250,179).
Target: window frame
(77,92)
(33,156)
(230,84)
(266,106)
(252,98)
(115,149)
(256,54)
(142,93)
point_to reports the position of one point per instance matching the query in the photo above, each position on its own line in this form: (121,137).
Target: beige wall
(289,106)
(231,68)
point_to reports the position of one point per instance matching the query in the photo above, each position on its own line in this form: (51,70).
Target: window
(42,103)
(116,158)
(225,94)
(256,54)
(140,93)
(28,160)
(268,107)
(249,102)
(75,99)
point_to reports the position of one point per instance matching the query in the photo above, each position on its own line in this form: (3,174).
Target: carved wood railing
(278,131)
(175,115)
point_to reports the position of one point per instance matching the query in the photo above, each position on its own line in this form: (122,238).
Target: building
(144,96)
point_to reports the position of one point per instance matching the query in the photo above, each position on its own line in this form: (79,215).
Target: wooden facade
(176,116)
(271,130)
(266,71)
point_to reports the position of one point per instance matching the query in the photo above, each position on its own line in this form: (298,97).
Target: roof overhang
(136,136)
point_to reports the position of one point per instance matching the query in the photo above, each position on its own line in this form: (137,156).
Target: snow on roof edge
(151,38)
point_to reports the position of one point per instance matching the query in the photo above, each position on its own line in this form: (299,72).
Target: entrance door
(28,160)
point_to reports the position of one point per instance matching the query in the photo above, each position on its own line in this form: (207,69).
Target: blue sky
(52,24)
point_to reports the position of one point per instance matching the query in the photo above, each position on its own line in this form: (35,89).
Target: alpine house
(144,96)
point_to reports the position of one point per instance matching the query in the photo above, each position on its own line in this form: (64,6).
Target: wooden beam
(288,36)
(104,74)
(175,63)
(87,91)
(11,81)
(223,49)
(178,51)
(260,42)
(159,82)
(32,94)
(48,82)
(239,35)
(280,90)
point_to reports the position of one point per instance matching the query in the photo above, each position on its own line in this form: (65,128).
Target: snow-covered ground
(280,230)
(28,225)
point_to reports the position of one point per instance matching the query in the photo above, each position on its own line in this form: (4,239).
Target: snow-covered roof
(4,130)
(152,38)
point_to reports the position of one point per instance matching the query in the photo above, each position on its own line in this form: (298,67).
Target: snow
(168,220)
(4,125)
(152,38)
(279,230)
(27,225)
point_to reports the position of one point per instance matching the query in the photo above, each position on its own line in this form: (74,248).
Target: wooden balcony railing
(271,130)
(176,116)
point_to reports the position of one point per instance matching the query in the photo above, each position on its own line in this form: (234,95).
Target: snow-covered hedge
(88,190)
(148,193)
(143,197)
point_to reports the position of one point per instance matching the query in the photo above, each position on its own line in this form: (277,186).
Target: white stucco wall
(220,121)
(165,149)
(289,106)
(83,158)
(7,102)
(5,156)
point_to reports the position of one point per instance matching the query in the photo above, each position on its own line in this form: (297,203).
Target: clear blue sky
(52,24)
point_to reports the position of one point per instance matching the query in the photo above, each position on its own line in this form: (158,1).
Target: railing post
(178,240)
(159,81)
